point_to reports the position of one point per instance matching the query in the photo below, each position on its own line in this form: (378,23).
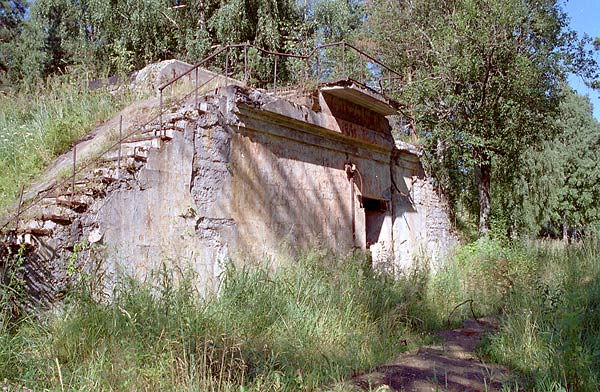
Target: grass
(37,126)
(550,332)
(548,298)
(313,322)
(310,323)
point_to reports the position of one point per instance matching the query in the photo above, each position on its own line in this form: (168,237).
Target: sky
(585,18)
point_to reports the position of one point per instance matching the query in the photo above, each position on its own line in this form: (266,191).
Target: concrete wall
(253,176)
(256,177)
(422,228)
(153,220)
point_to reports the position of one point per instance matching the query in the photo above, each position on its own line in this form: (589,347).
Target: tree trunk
(201,22)
(565,232)
(483,176)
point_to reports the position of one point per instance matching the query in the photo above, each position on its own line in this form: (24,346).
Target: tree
(482,77)
(116,36)
(558,185)
(12,13)
(266,23)
(336,20)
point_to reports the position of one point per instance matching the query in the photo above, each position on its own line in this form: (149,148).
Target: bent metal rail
(324,63)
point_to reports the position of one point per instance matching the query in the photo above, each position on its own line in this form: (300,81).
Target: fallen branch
(470,302)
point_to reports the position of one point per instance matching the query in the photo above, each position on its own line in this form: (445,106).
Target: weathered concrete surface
(252,175)
(422,228)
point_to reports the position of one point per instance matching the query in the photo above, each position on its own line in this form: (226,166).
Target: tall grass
(36,126)
(308,324)
(551,329)
(314,321)
(548,298)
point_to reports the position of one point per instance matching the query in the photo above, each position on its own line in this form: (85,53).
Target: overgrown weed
(310,322)
(38,125)
(551,327)
(313,321)
(548,296)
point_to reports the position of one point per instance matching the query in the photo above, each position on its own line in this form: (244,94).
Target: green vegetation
(38,125)
(483,88)
(558,186)
(550,332)
(482,83)
(313,322)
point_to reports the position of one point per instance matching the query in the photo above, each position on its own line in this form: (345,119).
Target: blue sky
(585,18)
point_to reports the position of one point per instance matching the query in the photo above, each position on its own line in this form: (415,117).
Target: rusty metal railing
(274,71)
(75,169)
(252,67)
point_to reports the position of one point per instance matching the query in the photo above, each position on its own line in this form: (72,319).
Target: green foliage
(12,13)
(336,20)
(311,322)
(550,328)
(482,78)
(104,37)
(267,23)
(36,126)
(558,185)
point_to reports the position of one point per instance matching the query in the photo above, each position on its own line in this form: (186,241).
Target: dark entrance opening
(375,211)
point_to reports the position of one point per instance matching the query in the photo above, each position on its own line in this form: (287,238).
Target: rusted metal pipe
(318,67)
(246,64)
(314,52)
(344,60)
(120,145)
(161,109)
(226,65)
(73,177)
(275,77)
(362,69)
(353,211)
(305,80)
(196,90)
(18,217)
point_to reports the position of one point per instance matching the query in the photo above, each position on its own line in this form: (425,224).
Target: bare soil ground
(451,365)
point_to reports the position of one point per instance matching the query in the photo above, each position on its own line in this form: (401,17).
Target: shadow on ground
(450,366)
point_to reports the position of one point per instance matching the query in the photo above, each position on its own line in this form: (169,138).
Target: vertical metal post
(305,81)
(318,67)
(196,90)
(73,177)
(362,69)
(246,64)
(18,218)
(120,141)
(161,110)
(226,64)
(343,60)
(353,211)
(275,77)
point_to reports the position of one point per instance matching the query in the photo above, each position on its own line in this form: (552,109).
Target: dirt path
(450,366)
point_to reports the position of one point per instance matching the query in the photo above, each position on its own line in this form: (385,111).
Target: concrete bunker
(246,173)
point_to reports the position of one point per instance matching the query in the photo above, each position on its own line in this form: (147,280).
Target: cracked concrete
(252,175)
